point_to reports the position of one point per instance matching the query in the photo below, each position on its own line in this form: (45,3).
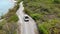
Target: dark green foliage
(57,1)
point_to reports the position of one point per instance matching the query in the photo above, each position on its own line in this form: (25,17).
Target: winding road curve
(25,27)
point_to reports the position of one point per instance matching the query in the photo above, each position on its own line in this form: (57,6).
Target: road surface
(25,27)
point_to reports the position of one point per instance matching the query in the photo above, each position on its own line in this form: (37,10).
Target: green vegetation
(57,1)
(46,13)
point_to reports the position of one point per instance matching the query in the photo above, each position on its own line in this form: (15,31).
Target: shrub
(42,29)
(35,16)
(57,1)
(13,18)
